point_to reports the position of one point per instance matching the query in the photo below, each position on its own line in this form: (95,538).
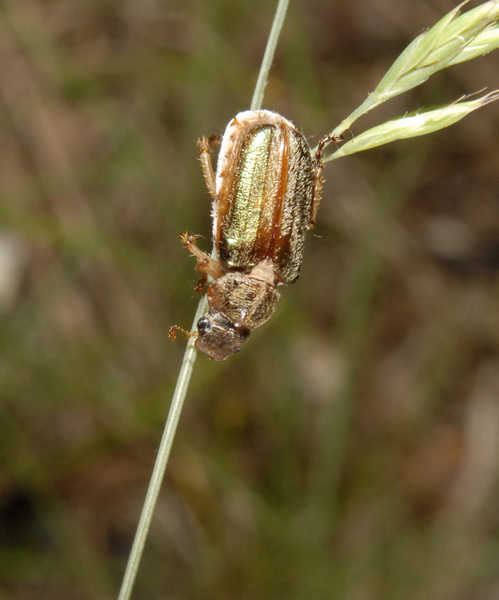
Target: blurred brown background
(352,449)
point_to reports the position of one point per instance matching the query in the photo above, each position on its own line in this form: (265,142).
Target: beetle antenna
(172,332)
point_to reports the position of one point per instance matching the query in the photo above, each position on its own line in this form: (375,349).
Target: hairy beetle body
(265,197)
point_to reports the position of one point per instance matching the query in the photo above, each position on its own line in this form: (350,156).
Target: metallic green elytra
(266,193)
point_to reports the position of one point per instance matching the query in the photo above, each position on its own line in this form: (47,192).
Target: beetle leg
(318,180)
(206,264)
(205,146)
(201,284)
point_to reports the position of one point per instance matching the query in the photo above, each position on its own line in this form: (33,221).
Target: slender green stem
(161,461)
(187,363)
(256,101)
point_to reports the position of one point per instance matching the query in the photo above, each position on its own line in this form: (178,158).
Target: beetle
(266,193)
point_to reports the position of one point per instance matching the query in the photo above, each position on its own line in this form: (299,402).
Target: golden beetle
(266,193)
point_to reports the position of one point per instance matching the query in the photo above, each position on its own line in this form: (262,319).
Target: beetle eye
(204,325)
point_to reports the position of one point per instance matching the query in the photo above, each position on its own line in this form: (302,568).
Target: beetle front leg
(206,264)
(201,284)
(205,146)
(318,180)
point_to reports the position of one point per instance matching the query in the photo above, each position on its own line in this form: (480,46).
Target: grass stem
(187,363)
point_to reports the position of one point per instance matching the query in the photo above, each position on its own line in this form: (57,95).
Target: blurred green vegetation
(352,449)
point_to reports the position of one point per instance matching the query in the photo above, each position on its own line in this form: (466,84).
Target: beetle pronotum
(266,194)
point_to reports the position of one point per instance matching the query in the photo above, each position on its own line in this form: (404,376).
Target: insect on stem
(266,193)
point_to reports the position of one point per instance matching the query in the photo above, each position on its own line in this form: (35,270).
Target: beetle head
(219,338)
